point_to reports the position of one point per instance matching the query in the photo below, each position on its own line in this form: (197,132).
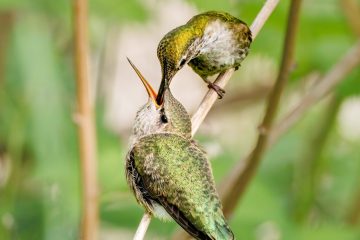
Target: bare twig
(324,86)
(143,226)
(86,126)
(352,12)
(211,96)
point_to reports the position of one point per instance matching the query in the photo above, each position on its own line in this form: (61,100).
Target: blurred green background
(307,187)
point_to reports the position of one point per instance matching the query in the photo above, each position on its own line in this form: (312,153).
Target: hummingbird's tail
(223,231)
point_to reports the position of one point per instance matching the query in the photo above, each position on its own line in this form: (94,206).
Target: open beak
(152,94)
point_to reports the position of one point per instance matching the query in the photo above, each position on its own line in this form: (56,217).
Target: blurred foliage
(40,199)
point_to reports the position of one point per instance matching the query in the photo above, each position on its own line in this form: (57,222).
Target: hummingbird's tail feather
(180,218)
(223,231)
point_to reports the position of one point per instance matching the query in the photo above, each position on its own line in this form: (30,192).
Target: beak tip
(152,94)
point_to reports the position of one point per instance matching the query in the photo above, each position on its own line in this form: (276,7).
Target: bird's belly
(220,50)
(208,65)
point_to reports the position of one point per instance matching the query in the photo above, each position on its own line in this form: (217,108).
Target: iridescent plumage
(170,174)
(211,42)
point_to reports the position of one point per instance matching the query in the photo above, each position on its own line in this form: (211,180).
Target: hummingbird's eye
(182,63)
(163,118)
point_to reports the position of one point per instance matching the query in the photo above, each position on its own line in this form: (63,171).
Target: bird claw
(217,89)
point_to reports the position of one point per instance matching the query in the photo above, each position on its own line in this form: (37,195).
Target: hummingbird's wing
(177,175)
(144,198)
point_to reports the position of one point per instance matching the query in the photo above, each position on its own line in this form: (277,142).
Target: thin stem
(86,126)
(211,96)
(209,100)
(143,226)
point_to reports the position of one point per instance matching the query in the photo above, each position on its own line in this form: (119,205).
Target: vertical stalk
(231,199)
(86,126)
(353,215)
(6,22)
(351,10)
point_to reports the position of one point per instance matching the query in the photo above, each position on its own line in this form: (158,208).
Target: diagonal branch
(86,126)
(328,82)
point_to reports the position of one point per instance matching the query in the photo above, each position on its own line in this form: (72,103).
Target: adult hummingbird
(168,172)
(210,43)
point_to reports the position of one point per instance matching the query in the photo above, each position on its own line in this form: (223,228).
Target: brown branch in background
(251,95)
(323,86)
(211,96)
(319,90)
(309,170)
(86,126)
(230,200)
(353,216)
(6,22)
(352,12)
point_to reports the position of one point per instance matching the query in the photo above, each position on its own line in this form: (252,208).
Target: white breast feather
(219,43)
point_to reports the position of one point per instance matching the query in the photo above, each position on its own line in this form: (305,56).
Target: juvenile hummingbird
(168,172)
(210,43)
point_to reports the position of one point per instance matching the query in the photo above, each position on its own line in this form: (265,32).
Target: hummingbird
(210,43)
(169,173)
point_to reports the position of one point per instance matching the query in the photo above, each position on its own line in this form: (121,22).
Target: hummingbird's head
(175,50)
(168,116)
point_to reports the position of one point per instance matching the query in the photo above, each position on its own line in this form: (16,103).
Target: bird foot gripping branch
(210,43)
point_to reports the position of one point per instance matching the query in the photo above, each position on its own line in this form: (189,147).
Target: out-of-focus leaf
(119,10)
(351,85)
(49,127)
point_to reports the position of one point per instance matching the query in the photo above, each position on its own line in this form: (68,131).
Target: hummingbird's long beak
(151,92)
